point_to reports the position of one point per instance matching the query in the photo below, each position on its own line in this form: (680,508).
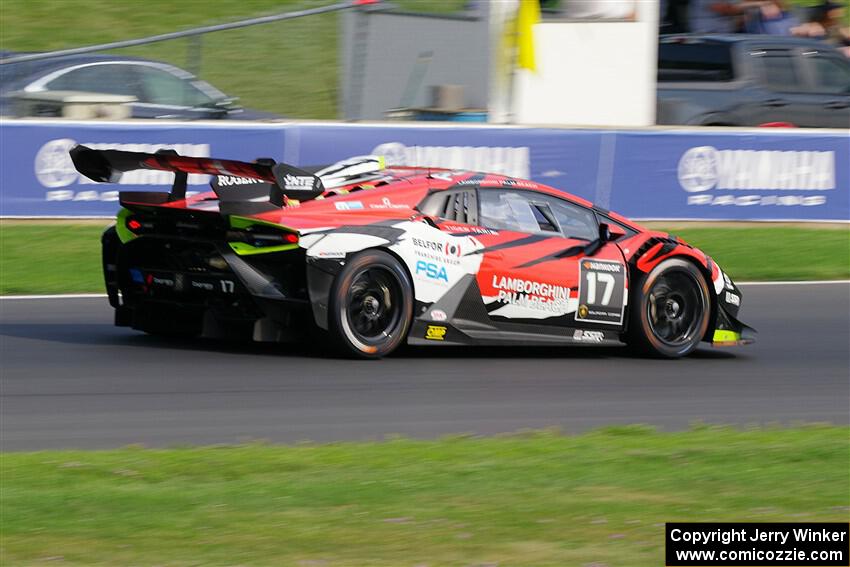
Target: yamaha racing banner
(701,174)
(735,176)
(696,174)
(38,178)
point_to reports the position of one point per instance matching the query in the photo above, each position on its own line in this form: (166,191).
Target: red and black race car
(377,256)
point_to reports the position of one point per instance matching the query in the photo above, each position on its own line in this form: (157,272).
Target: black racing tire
(670,310)
(371,305)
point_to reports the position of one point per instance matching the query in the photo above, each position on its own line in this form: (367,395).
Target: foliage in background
(290,68)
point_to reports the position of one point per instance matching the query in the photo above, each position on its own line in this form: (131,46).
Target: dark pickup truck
(752,80)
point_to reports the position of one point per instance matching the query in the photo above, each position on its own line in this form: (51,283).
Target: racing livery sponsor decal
(386,203)
(348,205)
(446,252)
(534,295)
(588,336)
(436,260)
(469,229)
(432,271)
(438,315)
(298,182)
(228,180)
(519,183)
(435,333)
(338,245)
(601,292)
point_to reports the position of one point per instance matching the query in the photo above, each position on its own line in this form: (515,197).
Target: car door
(829,77)
(166,95)
(785,96)
(535,269)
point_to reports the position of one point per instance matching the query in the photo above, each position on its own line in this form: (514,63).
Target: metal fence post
(194,54)
(359,53)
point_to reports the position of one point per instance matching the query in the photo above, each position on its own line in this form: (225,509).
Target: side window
(780,73)
(694,62)
(108,79)
(161,87)
(779,70)
(526,211)
(831,76)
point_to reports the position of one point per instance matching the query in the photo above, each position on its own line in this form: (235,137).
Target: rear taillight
(134,225)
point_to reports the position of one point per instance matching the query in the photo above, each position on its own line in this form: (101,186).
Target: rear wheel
(371,305)
(670,310)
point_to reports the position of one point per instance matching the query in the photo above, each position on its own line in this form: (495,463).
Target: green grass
(62,257)
(534,499)
(286,67)
(773,253)
(45,257)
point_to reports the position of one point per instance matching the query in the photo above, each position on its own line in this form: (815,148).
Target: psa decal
(431,271)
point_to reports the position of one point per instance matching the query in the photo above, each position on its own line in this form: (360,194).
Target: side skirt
(460,332)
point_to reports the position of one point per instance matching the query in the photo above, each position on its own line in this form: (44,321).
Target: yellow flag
(527,16)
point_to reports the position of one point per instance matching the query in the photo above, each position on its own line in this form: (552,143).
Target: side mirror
(609,233)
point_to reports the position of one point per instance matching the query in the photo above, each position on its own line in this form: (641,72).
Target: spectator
(674,16)
(719,16)
(826,24)
(772,18)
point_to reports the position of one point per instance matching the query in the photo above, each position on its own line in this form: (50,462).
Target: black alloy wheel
(371,305)
(671,310)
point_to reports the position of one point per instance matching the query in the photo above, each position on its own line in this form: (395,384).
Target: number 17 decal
(606,279)
(601,292)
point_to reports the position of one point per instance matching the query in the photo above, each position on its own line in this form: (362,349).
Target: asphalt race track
(72,380)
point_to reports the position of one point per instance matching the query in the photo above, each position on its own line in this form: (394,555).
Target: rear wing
(284,181)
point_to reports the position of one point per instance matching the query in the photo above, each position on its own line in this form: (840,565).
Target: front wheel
(670,310)
(371,305)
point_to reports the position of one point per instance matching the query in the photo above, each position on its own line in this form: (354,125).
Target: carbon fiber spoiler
(285,181)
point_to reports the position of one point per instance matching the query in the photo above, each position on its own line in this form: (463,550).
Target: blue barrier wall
(658,174)
(37,177)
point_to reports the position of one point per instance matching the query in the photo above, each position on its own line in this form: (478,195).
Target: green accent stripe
(245,222)
(245,249)
(724,336)
(124,233)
